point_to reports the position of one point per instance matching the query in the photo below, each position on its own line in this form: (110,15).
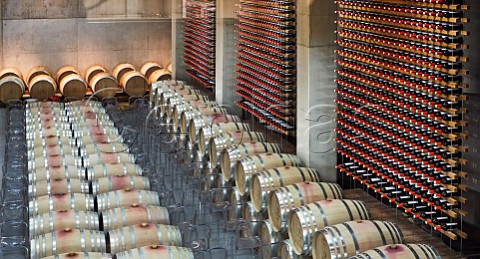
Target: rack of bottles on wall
(400,127)
(199,41)
(266,67)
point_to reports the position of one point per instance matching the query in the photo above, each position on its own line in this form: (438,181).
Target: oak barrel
(268,235)
(148,68)
(122,69)
(55,172)
(134,84)
(216,129)
(119,182)
(233,153)
(108,158)
(175,100)
(11,88)
(54,161)
(92,71)
(59,220)
(356,237)
(403,251)
(80,255)
(66,71)
(134,214)
(127,197)
(175,111)
(161,87)
(285,251)
(262,183)
(304,221)
(143,234)
(199,122)
(67,240)
(105,170)
(157,251)
(248,166)
(42,87)
(249,214)
(187,115)
(269,238)
(282,200)
(57,186)
(176,93)
(159,75)
(104,85)
(94,148)
(73,86)
(233,141)
(11,71)
(56,202)
(36,71)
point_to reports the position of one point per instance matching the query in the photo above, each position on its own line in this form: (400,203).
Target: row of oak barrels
(87,197)
(43,84)
(288,207)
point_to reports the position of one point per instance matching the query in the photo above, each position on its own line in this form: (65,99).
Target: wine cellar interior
(218,129)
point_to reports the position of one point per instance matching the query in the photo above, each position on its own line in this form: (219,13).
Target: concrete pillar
(225,54)
(315,85)
(178,67)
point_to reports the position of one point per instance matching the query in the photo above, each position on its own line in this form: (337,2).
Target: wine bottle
(449,226)
(439,220)
(449,206)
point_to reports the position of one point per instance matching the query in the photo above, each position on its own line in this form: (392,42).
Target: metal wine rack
(266,67)
(199,41)
(400,103)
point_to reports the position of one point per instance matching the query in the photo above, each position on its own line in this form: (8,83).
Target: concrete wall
(315,85)
(84,32)
(225,56)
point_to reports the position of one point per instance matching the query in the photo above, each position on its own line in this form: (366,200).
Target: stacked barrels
(271,195)
(102,83)
(133,82)
(12,85)
(43,84)
(61,206)
(87,195)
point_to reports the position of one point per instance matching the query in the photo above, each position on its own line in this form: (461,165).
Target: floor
(3,116)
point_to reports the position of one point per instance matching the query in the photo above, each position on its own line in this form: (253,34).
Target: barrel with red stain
(134,214)
(144,234)
(360,235)
(400,251)
(157,251)
(66,241)
(59,220)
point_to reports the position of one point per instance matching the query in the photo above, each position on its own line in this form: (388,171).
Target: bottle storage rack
(199,41)
(400,104)
(266,67)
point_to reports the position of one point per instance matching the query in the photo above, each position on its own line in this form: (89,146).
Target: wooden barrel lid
(73,86)
(35,71)
(149,67)
(104,85)
(121,69)
(134,84)
(42,87)
(11,71)
(93,71)
(66,71)
(11,88)
(159,75)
